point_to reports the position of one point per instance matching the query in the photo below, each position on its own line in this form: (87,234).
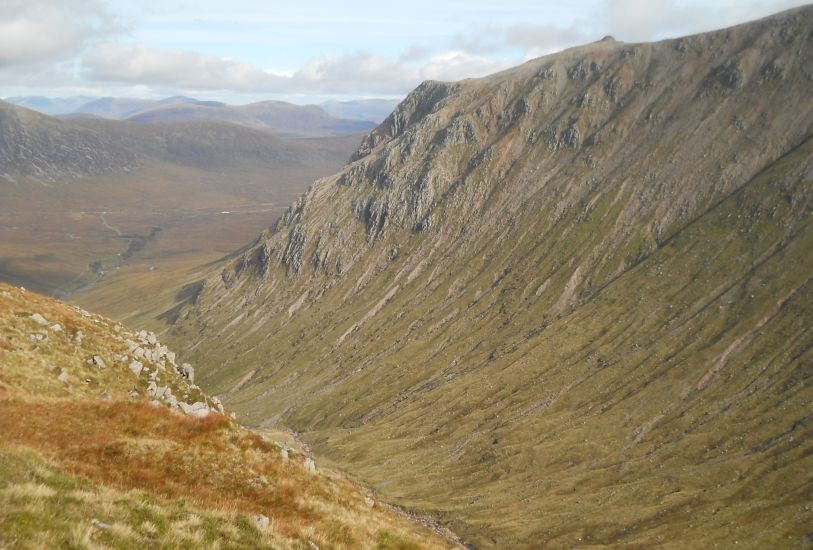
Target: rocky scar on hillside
(579,285)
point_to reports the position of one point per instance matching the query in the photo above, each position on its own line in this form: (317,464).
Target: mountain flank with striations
(568,303)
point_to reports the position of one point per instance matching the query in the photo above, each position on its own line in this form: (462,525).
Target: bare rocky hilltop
(566,304)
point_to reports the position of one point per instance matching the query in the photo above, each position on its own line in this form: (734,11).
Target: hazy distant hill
(120,108)
(374,110)
(38,146)
(567,304)
(51,106)
(278,117)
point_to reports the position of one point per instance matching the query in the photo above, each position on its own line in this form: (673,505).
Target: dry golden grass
(126,444)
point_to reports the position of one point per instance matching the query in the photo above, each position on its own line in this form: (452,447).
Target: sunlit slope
(106,442)
(568,303)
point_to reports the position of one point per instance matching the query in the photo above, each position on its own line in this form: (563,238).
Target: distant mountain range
(33,145)
(374,110)
(284,119)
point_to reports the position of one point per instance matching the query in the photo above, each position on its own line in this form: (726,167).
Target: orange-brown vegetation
(109,451)
(140,446)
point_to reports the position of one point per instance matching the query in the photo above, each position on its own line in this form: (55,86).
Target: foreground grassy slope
(91,456)
(565,304)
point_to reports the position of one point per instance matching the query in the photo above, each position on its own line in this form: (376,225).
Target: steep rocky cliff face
(567,303)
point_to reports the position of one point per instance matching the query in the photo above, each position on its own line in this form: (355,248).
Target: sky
(304,51)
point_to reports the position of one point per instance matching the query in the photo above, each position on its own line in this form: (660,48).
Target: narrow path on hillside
(107,225)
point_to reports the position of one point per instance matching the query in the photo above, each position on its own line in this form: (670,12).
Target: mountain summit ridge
(577,285)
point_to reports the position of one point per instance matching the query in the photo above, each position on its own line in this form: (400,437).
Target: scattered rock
(284,454)
(217,403)
(155,390)
(262,522)
(78,337)
(63,376)
(171,400)
(39,319)
(186,371)
(198,408)
(136,367)
(56,327)
(98,361)
(310,465)
(100,524)
(369,502)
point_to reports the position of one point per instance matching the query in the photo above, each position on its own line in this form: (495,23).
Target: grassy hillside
(567,304)
(96,451)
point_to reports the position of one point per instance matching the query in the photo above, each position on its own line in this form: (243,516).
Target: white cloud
(645,20)
(542,38)
(459,64)
(137,63)
(37,31)
(329,74)
(72,44)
